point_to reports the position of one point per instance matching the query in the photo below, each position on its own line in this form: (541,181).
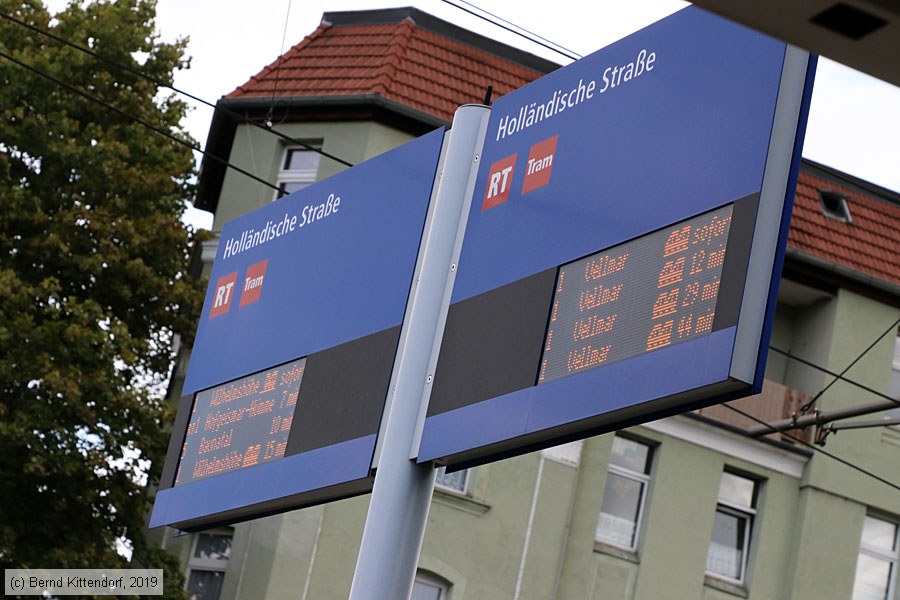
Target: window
(834,205)
(298,170)
(206,568)
(623,496)
(429,587)
(456,482)
(876,567)
(730,544)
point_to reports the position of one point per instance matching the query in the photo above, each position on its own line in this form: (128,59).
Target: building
(701,505)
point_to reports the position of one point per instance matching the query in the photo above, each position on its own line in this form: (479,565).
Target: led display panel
(240,424)
(649,293)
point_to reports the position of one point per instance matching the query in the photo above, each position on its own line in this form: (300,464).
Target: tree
(94,284)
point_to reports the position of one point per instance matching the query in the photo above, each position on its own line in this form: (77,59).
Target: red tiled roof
(870,243)
(400,61)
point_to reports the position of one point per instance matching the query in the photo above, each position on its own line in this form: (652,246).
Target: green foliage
(93,280)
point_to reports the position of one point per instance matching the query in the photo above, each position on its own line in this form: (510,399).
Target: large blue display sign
(626,229)
(296,343)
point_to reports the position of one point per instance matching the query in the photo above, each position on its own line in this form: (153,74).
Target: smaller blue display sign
(295,349)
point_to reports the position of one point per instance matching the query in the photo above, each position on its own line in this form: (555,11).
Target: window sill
(459,502)
(604,548)
(736,589)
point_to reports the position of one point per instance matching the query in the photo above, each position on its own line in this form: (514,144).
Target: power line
(137,120)
(287,18)
(816,448)
(559,50)
(893,327)
(571,53)
(837,376)
(161,83)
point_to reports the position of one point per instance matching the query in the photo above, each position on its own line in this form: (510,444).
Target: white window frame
(893,558)
(749,514)
(464,491)
(219,565)
(285,175)
(644,480)
(428,578)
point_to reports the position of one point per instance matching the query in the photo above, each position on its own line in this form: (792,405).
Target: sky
(854,121)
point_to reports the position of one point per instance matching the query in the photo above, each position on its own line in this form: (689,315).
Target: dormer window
(834,205)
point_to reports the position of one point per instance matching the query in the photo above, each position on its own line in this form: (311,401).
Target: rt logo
(499,182)
(224,294)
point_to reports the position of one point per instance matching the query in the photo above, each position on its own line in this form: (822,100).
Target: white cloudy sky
(854,122)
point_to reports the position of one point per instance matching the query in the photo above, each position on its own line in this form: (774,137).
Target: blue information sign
(626,228)
(296,344)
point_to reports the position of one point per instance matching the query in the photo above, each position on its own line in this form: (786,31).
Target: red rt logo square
(253,283)
(540,164)
(224,294)
(499,182)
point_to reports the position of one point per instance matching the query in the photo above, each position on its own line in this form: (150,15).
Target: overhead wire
(837,376)
(137,72)
(815,448)
(131,117)
(271,113)
(893,327)
(536,39)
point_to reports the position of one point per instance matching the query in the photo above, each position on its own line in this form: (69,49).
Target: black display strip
(176,441)
(737,258)
(492,343)
(343,392)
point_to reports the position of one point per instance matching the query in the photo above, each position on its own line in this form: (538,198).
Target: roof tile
(869,244)
(399,61)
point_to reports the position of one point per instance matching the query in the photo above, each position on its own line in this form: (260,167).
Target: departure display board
(240,424)
(655,291)
(623,241)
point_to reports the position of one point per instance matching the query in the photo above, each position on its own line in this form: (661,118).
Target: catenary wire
(534,35)
(137,120)
(287,18)
(562,52)
(837,376)
(815,448)
(161,83)
(806,406)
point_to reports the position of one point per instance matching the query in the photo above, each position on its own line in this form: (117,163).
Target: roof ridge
(384,75)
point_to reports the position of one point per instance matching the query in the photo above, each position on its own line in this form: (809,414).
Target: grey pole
(401,496)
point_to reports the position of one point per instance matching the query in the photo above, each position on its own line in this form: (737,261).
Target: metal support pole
(398,509)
